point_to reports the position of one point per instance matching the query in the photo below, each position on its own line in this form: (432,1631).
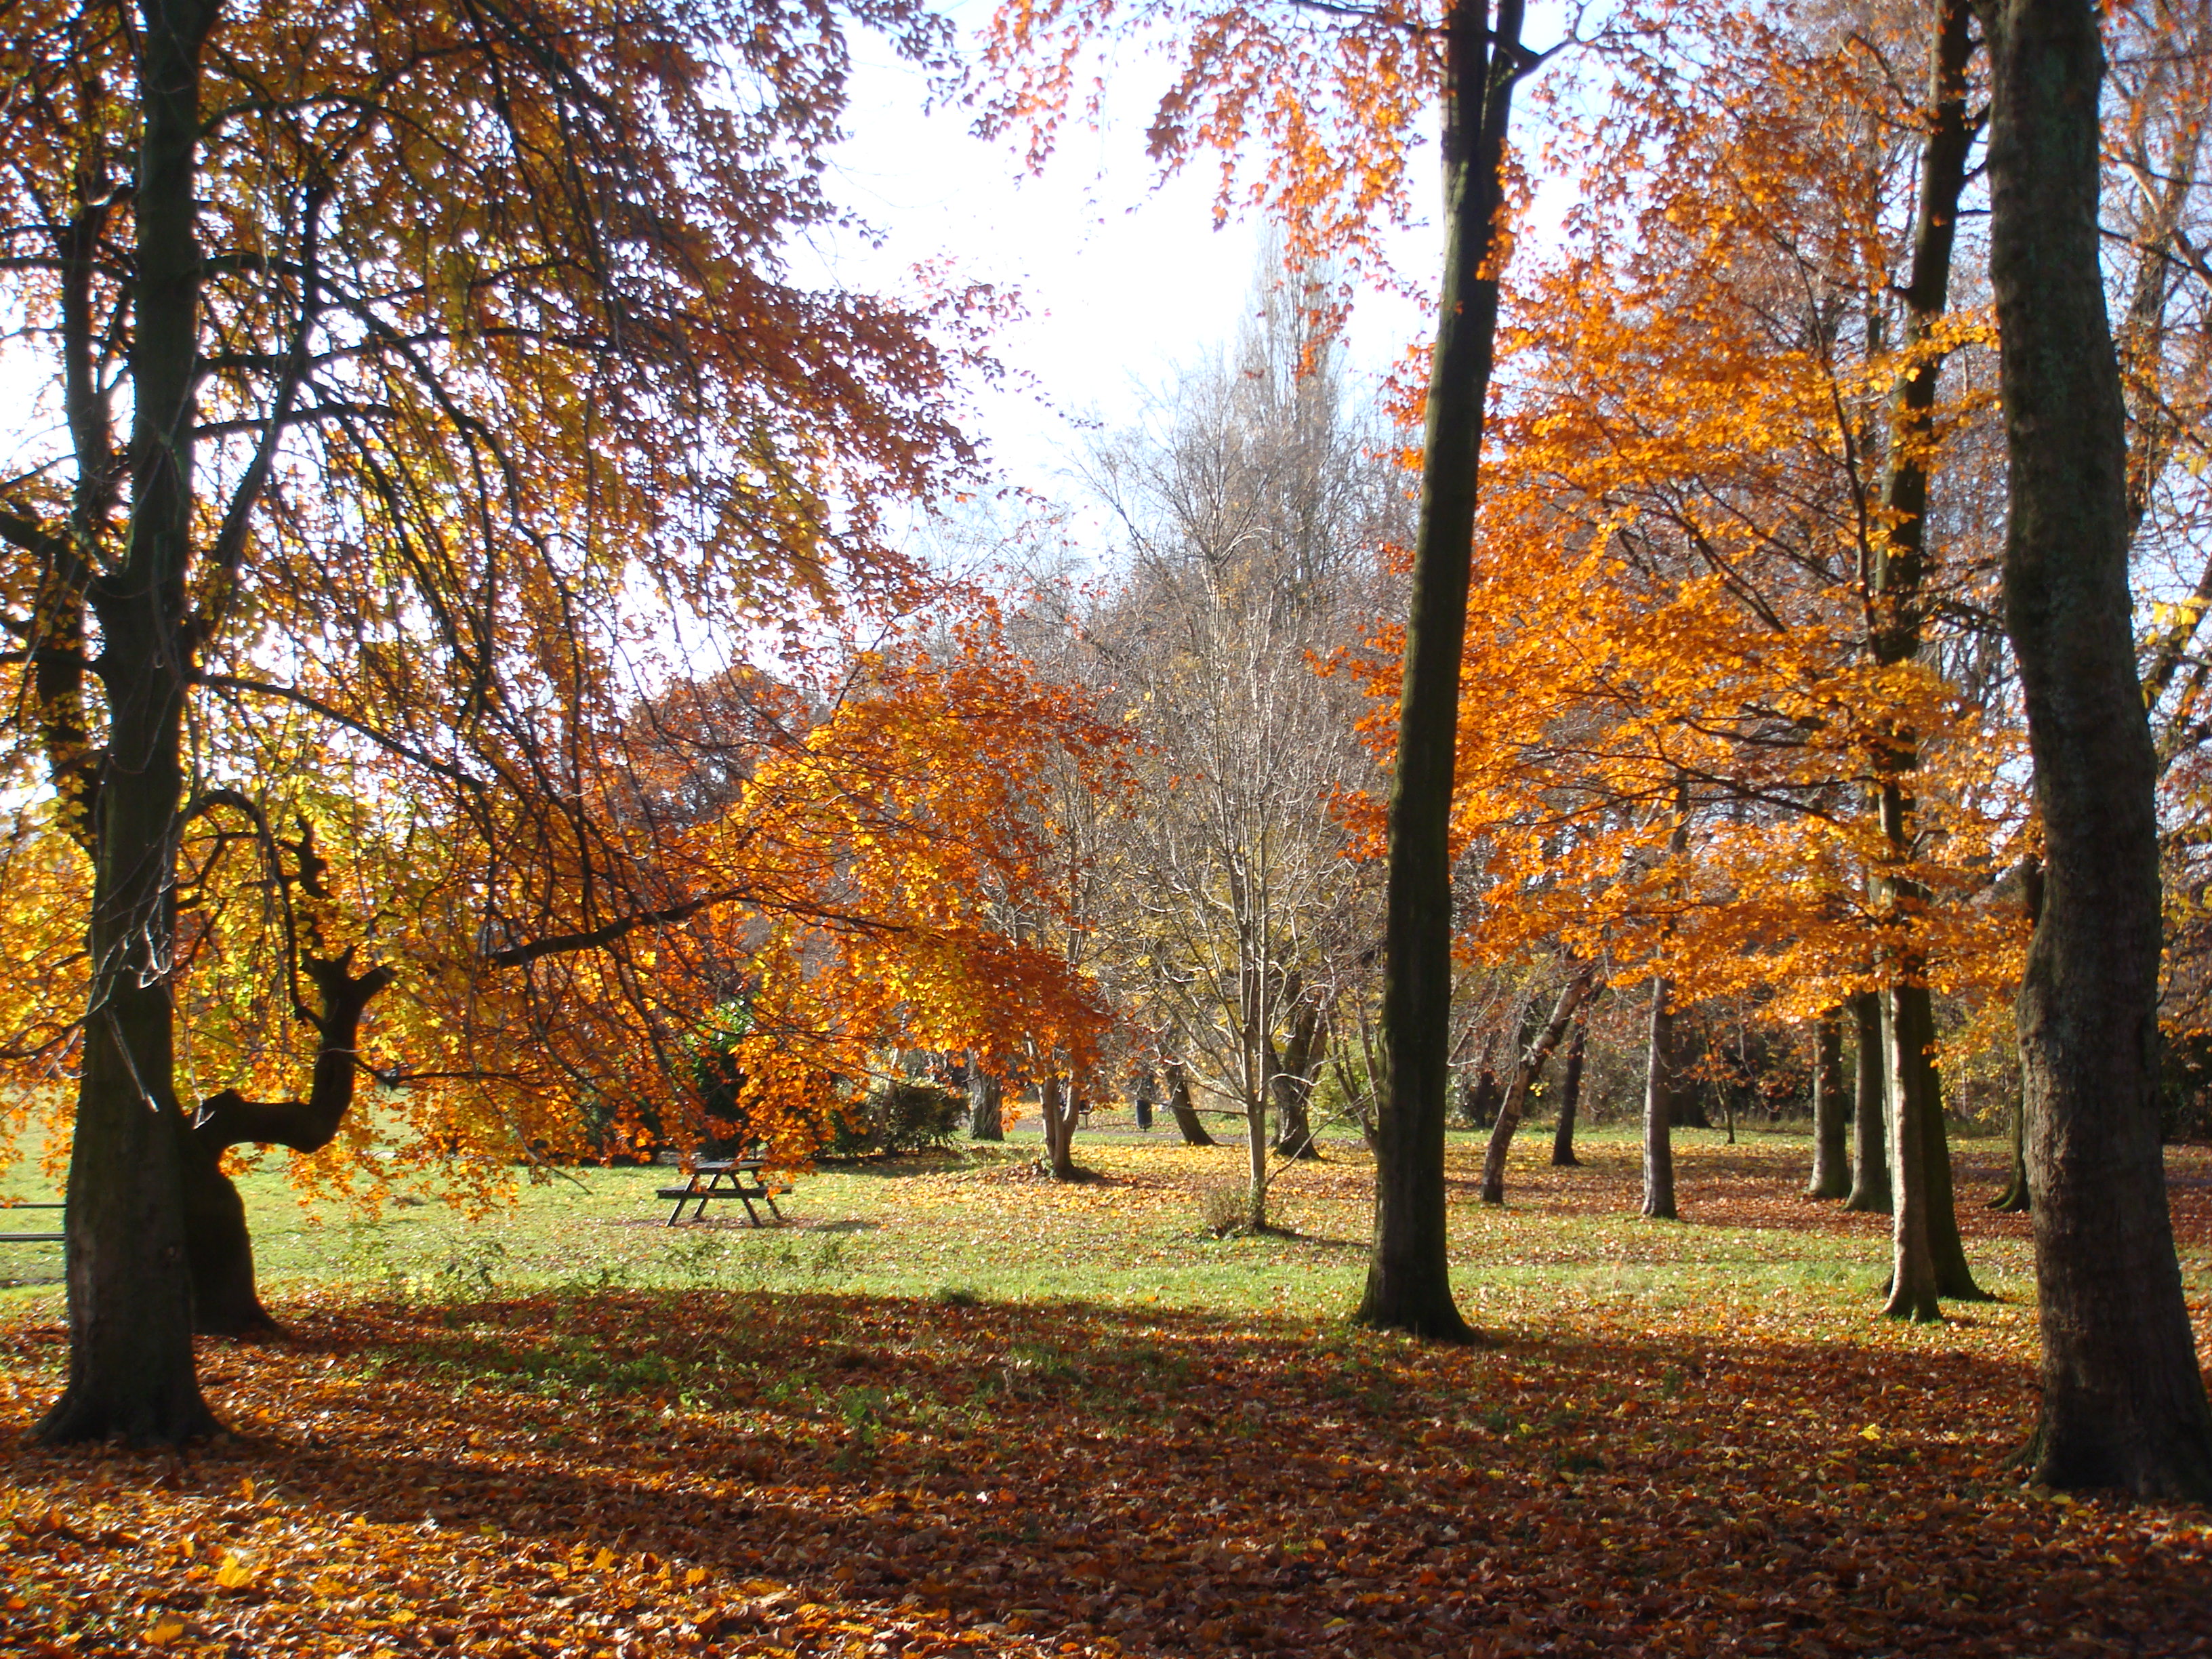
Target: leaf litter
(710,1471)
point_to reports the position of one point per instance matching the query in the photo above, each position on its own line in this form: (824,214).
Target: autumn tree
(2123,1400)
(1253,517)
(408,368)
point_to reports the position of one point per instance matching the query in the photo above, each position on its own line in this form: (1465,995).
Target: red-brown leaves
(743,1474)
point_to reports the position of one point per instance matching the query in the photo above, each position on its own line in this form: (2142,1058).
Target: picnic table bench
(32,1238)
(737,1177)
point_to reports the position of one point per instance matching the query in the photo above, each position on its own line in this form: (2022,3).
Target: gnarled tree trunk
(1187,1121)
(987,1103)
(2124,1402)
(1292,1082)
(225,1302)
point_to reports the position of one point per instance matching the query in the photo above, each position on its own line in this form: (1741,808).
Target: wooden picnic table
(736,1177)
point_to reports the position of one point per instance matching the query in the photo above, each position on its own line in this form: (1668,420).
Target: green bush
(902,1117)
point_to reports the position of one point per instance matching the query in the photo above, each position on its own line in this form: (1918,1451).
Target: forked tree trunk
(1057,1106)
(1570,1097)
(1409,1274)
(1187,1121)
(1869,1111)
(1526,1070)
(987,1103)
(130,1371)
(1831,1156)
(2124,1402)
(1659,1108)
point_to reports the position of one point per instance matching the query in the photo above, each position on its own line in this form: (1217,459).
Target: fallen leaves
(720,1473)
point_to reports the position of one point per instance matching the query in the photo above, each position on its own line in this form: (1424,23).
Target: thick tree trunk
(1408,1275)
(130,1370)
(1869,1109)
(2124,1402)
(1526,1070)
(2015,1199)
(1659,1108)
(1831,1157)
(987,1103)
(1187,1121)
(1570,1097)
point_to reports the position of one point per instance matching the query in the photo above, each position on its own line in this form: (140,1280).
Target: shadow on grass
(1154,1481)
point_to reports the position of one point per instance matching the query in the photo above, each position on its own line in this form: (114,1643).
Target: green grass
(962,1228)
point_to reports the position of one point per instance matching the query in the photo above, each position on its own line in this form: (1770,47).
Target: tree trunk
(1292,1083)
(2013,1200)
(1831,1158)
(1526,1070)
(1409,1274)
(1057,1105)
(987,1103)
(1912,1264)
(1659,1108)
(1571,1095)
(225,1302)
(1925,1226)
(2124,1402)
(130,1370)
(1954,1278)
(1869,1107)
(1186,1115)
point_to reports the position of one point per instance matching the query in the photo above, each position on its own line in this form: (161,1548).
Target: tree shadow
(1039,1475)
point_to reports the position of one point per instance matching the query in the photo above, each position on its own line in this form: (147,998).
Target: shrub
(905,1115)
(1226,1210)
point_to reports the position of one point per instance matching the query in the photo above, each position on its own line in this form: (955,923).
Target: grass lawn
(952,1407)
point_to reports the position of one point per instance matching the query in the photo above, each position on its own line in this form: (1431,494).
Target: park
(1097,826)
(953,1406)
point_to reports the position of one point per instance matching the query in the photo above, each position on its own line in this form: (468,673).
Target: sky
(1121,278)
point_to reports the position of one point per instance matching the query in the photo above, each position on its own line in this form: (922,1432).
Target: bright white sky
(1120,280)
